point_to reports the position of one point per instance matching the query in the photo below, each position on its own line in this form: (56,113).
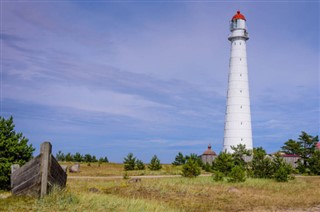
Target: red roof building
(208,156)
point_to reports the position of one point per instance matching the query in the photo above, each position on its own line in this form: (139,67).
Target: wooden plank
(26,166)
(25,186)
(17,180)
(33,190)
(57,173)
(45,164)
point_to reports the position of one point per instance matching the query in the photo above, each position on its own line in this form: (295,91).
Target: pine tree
(14,149)
(60,156)
(77,157)
(155,164)
(223,163)
(129,162)
(191,168)
(140,165)
(179,160)
(237,174)
(261,165)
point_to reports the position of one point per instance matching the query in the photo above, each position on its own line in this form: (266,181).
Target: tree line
(132,163)
(77,157)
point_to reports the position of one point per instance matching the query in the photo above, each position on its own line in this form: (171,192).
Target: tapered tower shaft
(237,129)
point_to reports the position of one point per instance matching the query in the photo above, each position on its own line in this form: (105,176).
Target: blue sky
(150,77)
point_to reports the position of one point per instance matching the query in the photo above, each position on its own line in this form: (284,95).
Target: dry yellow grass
(171,194)
(114,169)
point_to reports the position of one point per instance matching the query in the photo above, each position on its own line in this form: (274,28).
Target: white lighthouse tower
(237,129)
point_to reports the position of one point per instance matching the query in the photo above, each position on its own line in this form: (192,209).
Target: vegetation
(14,149)
(218,176)
(223,163)
(191,168)
(129,162)
(239,155)
(140,165)
(261,165)
(305,147)
(174,194)
(179,160)
(196,158)
(237,174)
(77,157)
(155,164)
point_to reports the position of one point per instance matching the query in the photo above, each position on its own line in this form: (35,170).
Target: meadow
(170,194)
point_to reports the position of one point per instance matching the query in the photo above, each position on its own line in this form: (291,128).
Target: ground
(171,193)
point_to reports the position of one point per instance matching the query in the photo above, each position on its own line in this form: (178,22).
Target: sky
(150,77)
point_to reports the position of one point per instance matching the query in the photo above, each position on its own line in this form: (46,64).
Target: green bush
(191,168)
(179,160)
(223,163)
(281,175)
(207,167)
(14,149)
(155,164)
(125,176)
(261,165)
(218,176)
(140,165)
(129,162)
(237,174)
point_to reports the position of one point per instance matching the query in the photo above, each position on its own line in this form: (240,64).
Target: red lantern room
(238,16)
(237,22)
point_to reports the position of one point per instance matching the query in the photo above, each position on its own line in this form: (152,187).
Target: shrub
(191,168)
(240,153)
(314,162)
(179,160)
(126,176)
(281,175)
(237,174)
(207,167)
(261,165)
(218,176)
(129,162)
(223,163)
(155,164)
(140,165)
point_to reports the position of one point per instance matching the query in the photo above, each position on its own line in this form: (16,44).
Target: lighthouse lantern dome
(238,21)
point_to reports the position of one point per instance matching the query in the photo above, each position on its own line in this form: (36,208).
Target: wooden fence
(38,176)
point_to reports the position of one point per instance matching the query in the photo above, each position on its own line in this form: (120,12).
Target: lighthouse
(237,128)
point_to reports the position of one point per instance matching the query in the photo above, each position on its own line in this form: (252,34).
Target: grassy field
(114,169)
(173,194)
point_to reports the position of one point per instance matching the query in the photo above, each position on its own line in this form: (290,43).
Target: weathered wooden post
(45,152)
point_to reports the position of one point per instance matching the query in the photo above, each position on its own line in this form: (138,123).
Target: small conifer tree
(129,162)
(140,165)
(237,174)
(191,168)
(155,164)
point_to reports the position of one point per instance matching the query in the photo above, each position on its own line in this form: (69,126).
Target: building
(291,159)
(208,156)
(237,129)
